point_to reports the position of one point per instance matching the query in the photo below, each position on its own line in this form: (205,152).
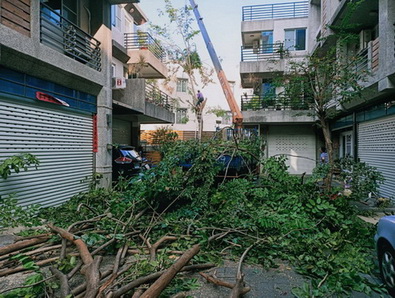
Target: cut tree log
(161,283)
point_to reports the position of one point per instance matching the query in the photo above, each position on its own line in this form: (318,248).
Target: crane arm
(237,117)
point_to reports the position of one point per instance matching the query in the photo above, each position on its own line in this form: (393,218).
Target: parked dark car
(385,244)
(126,162)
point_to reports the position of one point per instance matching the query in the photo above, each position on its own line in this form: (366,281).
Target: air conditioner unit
(118,83)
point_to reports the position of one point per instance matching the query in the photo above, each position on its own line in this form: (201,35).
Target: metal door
(376,146)
(61,140)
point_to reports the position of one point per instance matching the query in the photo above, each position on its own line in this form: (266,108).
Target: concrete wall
(133,95)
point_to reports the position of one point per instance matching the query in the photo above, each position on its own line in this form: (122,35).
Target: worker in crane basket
(200,98)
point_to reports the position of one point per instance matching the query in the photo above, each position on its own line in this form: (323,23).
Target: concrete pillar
(387,38)
(103,160)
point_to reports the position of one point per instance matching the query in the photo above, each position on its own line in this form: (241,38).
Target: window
(267,42)
(182,85)
(113,70)
(295,40)
(181,116)
(346,144)
(268,90)
(116,16)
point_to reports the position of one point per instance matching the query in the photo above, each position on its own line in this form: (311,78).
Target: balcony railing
(65,37)
(265,52)
(143,40)
(362,60)
(275,11)
(271,102)
(158,97)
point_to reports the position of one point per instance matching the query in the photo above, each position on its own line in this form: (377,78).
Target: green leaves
(17,163)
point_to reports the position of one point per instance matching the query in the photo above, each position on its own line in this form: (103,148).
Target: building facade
(272,36)
(365,127)
(58,98)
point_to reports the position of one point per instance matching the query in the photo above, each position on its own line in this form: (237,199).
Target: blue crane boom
(237,117)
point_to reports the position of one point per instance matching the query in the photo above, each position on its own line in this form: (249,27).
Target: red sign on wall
(95,137)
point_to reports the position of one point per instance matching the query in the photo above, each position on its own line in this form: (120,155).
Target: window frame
(294,47)
(182,85)
(181,113)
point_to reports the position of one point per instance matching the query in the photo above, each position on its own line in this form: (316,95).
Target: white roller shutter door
(62,141)
(297,143)
(376,147)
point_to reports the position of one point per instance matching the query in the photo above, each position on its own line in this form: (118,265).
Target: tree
(324,81)
(182,52)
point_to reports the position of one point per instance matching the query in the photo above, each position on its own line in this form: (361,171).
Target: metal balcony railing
(271,102)
(158,97)
(143,40)
(275,11)
(265,52)
(362,60)
(65,37)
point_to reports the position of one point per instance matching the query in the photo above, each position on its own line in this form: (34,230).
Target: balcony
(65,37)
(275,11)
(144,101)
(157,97)
(271,102)
(266,52)
(270,109)
(146,56)
(259,63)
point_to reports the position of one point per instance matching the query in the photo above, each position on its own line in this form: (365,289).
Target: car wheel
(387,267)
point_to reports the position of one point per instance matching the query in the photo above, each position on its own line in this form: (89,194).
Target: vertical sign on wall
(94,123)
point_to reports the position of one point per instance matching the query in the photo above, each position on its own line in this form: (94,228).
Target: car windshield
(130,153)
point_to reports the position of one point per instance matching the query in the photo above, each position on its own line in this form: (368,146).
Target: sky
(222,19)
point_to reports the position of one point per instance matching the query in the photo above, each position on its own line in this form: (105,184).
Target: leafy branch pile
(260,220)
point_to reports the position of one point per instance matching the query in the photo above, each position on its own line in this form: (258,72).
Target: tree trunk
(329,149)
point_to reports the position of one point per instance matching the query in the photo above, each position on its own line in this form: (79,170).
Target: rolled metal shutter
(297,144)
(61,140)
(376,147)
(121,132)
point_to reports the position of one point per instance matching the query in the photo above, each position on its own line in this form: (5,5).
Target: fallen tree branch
(154,247)
(64,283)
(145,279)
(22,244)
(91,266)
(21,268)
(27,286)
(161,283)
(28,253)
(237,290)
(222,283)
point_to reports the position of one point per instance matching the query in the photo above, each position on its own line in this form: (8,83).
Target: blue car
(385,244)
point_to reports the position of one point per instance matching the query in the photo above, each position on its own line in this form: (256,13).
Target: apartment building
(365,127)
(61,97)
(272,36)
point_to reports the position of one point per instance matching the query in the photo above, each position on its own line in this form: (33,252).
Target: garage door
(62,141)
(376,146)
(297,144)
(121,132)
